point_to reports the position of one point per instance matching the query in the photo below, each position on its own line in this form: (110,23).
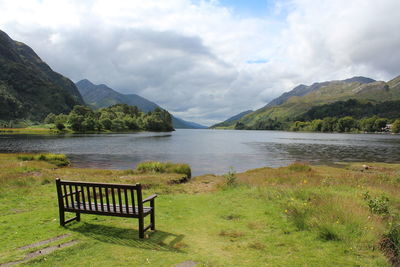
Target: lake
(210,151)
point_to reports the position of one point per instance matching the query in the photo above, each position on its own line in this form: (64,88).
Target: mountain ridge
(101,96)
(29,88)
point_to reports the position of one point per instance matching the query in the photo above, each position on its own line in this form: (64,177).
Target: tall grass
(165,167)
(59,160)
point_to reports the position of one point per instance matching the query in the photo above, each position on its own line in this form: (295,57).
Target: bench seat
(90,208)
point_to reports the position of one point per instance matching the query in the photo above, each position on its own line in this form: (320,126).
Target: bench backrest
(100,197)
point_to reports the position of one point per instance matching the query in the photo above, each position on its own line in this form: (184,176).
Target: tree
(76,122)
(380,123)
(82,110)
(345,124)
(396,126)
(328,124)
(106,123)
(118,125)
(60,126)
(50,118)
(368,124)
(316,125)
(88,124)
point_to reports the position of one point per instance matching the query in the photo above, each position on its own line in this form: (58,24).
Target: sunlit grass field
(298,215)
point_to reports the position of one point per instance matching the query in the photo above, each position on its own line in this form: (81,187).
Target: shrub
(299,217)
(328,233)
(377,205)
(299,167)
(25,157)
(230,178)
(164,167)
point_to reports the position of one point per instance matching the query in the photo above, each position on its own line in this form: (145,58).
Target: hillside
(29,88)
(101,96)
(231,120)
(301,99)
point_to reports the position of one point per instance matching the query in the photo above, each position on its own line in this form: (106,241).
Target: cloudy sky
(205,61)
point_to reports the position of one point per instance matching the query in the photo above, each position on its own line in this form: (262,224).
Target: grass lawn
(298,215)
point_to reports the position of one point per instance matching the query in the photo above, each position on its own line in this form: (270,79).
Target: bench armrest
(152,197)
(72,193)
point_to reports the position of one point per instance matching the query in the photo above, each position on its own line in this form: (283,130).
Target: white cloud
(193,58)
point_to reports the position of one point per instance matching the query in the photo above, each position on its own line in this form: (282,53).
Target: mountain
(101,96)
(29,88)
(290,105)
(182,124)
(232,120)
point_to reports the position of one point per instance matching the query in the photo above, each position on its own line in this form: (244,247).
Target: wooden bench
(104,199)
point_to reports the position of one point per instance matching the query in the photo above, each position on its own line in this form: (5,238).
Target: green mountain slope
(232,120)
(29,88)
(358,88)
(101,96)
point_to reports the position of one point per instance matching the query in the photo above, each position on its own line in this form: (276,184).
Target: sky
(207,60)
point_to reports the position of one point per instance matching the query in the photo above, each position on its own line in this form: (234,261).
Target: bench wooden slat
(77,196)
(126,200)
(119,200)
(83,197)
(132,199)
(107,200)
(88,196)
(101,198)
(71,195)
(94,197)
(65,192)
(113,198)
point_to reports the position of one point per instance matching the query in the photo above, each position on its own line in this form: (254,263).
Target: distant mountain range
(297,102)
(101,96)
(29,88)
(232,120)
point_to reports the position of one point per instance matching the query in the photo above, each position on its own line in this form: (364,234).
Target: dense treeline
(347,124)
(353,108)
(119,117)
(330,124)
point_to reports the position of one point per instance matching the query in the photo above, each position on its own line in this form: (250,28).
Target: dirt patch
(40,252)
(44,242)
(186,264)
(390,250)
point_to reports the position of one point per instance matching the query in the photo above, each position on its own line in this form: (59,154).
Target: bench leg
(153,220)
(62,217)
(78,217)
(141,227)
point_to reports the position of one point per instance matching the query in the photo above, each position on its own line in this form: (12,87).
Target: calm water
(210,151)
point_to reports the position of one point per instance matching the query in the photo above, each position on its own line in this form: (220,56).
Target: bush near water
(164,167)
